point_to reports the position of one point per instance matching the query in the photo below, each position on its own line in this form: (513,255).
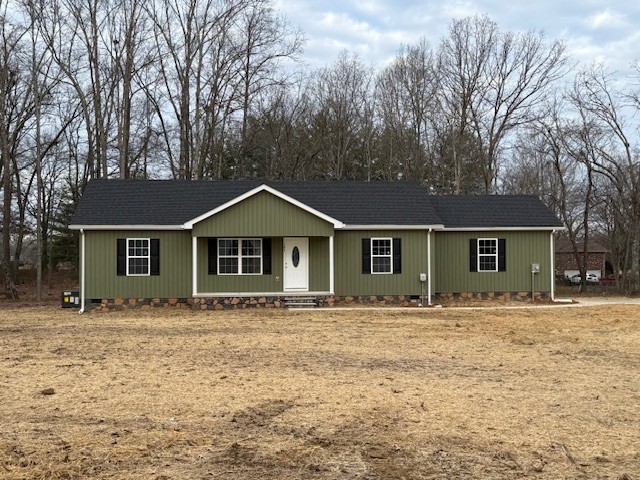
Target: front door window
(295,256)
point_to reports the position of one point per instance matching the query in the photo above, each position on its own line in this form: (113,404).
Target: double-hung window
(240,256)
(487,254)
(138,256)
(381,255)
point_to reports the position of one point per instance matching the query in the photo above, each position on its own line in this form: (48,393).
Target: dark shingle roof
(563,245)
(482,211)
(174,202)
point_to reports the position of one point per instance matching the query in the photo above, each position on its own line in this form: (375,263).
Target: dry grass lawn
(542,393)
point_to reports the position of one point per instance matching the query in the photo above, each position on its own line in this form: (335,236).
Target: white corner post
(331,266)
(194,265)
(82,268)
(552,253)
(429,267)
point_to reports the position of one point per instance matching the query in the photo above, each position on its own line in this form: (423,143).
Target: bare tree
(15,111)
(342,93)
(44,81)
(264,40)
(494,82)
(76,32)
(197,61)
(130,53)
(614,156)
(464,58)
(406,103)
(281,135)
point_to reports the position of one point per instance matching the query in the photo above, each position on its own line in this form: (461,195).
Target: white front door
(296,264)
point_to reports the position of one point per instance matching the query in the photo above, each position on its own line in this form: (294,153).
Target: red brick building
(566,260)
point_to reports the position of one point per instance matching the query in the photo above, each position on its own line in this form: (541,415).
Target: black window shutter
(266,256)
(473,254)
(212,245)
(397,256)
(121,264)
(502,255)
(366,255)
(155,256)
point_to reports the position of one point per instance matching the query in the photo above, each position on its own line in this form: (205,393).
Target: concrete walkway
(595,301)
(566,302)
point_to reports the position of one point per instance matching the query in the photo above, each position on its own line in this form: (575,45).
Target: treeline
(217,89)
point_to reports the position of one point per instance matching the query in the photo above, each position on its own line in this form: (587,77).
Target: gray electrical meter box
(423,277)
(535,268)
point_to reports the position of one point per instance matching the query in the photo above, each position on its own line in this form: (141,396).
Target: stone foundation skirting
(450,297)
(230,303)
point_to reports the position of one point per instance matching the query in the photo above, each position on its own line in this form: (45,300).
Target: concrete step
(300,302)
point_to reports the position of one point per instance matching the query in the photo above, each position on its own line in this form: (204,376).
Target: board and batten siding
(263,215)
(451,267)
(273,283)
(102,281)
(349,279)
(319,264)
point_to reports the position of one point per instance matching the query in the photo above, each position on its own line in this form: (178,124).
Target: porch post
(553,265)
(331,268)
(429,267)
(194,265)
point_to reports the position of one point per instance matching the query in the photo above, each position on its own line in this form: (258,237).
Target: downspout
(429,267)
(82,262)
(331,267)
(552,252)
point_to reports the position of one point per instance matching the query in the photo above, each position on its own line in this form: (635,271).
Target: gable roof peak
(262,188)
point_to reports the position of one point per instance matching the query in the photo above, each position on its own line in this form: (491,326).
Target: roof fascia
(496,229)
(393,227)
(126,227)
(263,188)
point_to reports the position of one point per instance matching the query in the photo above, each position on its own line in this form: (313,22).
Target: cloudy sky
(602,31)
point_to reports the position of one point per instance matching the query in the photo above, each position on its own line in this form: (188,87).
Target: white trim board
(263,188)
(125,227)
(342,227)
(504,229)
(393,227)
(262,294)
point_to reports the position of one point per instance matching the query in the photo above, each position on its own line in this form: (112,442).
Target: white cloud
(606,19)
(617,55)
(370,7)
(460,9)
(375,29)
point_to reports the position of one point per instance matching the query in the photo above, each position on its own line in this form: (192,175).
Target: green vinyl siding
(263,215)
(318,271)
(349,279)
(319,264)
(102,281)
(451,268)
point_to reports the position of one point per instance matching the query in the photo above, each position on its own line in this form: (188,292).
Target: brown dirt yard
(542,393)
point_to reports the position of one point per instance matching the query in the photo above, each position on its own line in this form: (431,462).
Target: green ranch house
(226,244)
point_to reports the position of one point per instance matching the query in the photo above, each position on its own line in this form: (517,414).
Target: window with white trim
(381,255)
(138,256)
(487,254)
(240,256)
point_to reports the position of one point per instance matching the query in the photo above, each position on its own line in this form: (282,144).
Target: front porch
(226,267)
